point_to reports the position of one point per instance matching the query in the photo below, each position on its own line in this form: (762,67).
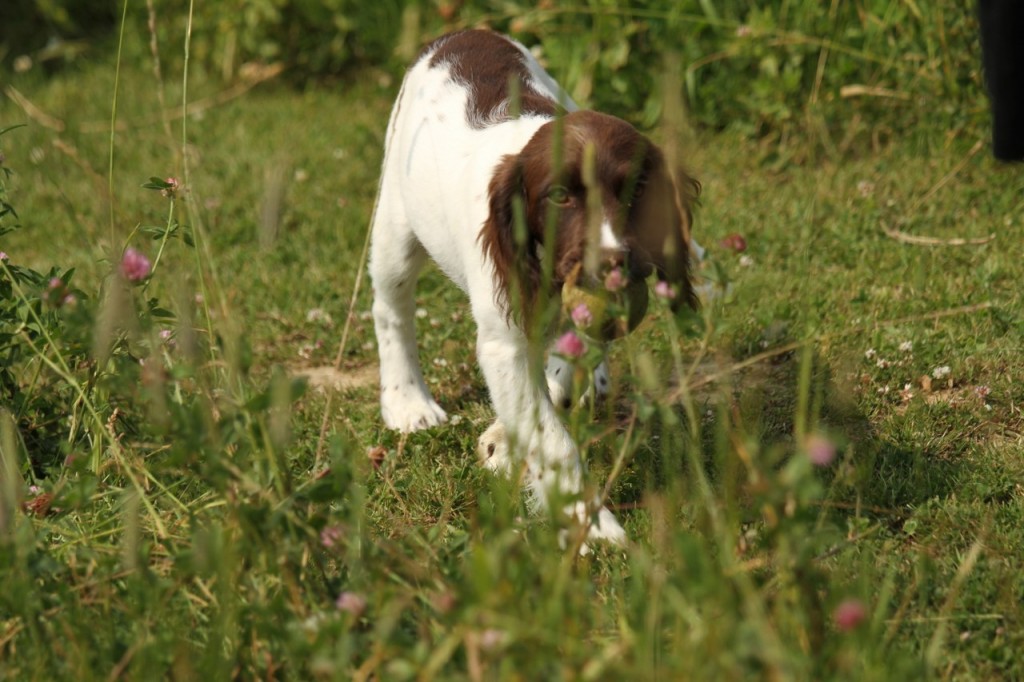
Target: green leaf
(157,184)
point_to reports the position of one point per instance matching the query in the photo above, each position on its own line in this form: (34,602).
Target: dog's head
(557,208)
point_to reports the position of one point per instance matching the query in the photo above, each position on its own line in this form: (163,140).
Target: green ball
(612,314)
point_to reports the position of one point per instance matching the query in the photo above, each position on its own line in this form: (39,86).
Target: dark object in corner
(1002,54)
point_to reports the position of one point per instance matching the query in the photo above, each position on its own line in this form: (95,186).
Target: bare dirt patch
(329,378)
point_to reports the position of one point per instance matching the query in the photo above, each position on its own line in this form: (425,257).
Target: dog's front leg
(560,375)
(529,432)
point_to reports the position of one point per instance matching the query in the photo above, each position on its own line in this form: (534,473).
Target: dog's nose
(639,268)
(613,259)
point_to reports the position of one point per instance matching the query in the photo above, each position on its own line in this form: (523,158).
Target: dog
(484,171)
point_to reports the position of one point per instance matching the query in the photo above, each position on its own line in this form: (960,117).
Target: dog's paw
(606,528)
(601,381)
(602,527)
(559,375)
(408,411)
(492,449)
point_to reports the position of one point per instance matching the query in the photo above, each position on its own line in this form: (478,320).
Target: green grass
(196,548)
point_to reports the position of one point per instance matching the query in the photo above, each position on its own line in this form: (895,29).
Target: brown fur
(495,65)
(651,205)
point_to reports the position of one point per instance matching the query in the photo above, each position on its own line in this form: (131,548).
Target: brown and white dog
(481,143)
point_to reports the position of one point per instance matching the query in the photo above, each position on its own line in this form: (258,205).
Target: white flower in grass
(421,313)
(941,372)
(907,346)
(491,639)
(870,353)
(907,393)
(321,316)
(311,625)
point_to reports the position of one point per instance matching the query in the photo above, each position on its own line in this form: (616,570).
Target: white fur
(433,201)
(609,240)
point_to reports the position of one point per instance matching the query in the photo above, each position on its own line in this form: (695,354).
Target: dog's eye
(640,187)
(636,191)
(559,196)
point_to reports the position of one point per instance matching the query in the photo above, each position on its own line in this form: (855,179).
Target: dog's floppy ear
(665,216)
(506,240)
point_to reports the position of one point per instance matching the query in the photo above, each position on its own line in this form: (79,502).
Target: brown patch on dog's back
(486,63)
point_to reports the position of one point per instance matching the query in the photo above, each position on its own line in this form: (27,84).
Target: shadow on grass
(880,469)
